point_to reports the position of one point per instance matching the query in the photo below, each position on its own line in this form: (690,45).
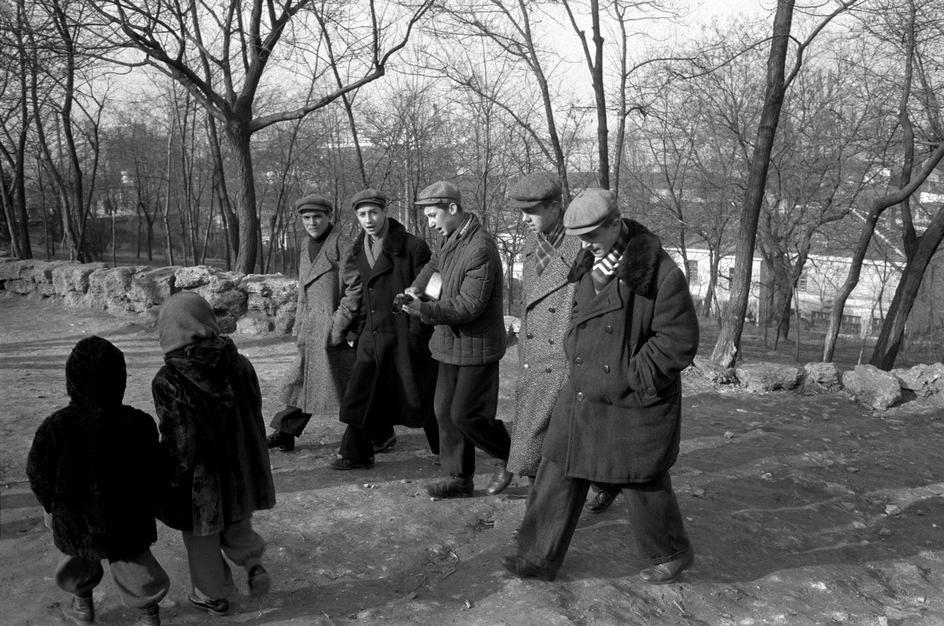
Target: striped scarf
(547,246)
(604,268)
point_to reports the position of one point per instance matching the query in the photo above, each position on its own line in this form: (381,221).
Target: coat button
(582,325)
(579,396)
(609,328)
(530,335)
(547,370)
(525,366)
(606,368)
(551,341)
(551,309)
(575,303)
(578,361)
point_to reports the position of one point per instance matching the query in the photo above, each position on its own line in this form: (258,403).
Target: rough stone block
(254,325)
(818,377)
(192,277)
(73,277)
(924,380)
(150,288)
(712,372)
(873,387)
(10,269)
(768,376)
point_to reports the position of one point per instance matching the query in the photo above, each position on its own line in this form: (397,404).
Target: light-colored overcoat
(546,304)
(329,295)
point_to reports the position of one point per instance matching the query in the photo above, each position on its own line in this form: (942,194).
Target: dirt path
(802,510)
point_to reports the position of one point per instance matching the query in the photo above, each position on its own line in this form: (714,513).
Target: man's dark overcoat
(617,419)
(394,374)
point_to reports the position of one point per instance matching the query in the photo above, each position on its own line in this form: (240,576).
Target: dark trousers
(290,420)
(358,441)
(210,574)
(556,501)
(466,401)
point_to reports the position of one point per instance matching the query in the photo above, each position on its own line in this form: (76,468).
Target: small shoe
(283,441)
(500,480)
(216,607)
(149,616)
(455,487)
(259,581)
(385,445)
(602,499)
(522,568)
(343,464)
(667,572)
(80,610)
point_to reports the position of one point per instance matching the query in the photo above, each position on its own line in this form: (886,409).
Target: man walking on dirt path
(394,375)
(468,341)
(617,420)
(329,295)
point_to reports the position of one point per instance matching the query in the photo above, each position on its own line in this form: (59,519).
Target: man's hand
(412,304)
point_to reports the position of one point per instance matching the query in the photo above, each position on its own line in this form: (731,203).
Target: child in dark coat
(94,468)
(210,408)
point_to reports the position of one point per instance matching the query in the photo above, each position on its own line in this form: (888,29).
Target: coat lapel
(310,272)
(612,298)
(555,274)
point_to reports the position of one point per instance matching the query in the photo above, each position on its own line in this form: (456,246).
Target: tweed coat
(618,418)
(210,408)
(394,374)
(470,327)
(329,294)
(545,315)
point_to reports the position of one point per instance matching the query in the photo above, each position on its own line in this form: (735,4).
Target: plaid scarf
(604,268)
(547,246)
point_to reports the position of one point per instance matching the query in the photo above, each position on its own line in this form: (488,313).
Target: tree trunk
(893,328)
(239,134)
(729,339)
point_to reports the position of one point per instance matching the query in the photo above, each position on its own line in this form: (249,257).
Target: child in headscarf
(210,408)
(94,467)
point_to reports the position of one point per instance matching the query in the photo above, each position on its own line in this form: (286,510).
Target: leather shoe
(455,487)
(602,499)
(283,441)
(523,568)
(500,480)
(343,464)
(383,446)
(667,572)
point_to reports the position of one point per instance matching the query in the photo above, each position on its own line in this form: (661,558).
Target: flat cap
(369,196)
(589,210)
(531,191)
(440,192)
(314,202)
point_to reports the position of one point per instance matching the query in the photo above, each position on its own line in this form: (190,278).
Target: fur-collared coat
(97,473)
(329,295)
(210,408)
(545,315)
(618,418)
(470,327)
(394,375)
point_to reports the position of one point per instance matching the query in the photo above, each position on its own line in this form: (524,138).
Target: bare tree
(222,53)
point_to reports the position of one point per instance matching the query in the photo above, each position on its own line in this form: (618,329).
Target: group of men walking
(393,333)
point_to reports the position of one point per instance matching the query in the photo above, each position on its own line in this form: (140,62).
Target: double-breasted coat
(329,294)
(394,375)
(547,300)
(618,418)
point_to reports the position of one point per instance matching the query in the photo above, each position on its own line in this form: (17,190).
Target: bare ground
(802,510)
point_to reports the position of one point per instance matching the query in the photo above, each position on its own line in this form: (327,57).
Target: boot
(80,610)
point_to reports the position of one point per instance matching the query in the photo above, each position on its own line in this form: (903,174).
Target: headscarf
(96,374)
(185,318)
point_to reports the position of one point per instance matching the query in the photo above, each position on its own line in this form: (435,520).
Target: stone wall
(258,304)
(251,304)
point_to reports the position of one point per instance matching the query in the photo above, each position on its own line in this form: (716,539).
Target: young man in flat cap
(617,421)
(329,295)
(394,374)
(468,342)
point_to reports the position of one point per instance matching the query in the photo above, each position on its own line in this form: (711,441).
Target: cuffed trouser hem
(210,574)
(140,579)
